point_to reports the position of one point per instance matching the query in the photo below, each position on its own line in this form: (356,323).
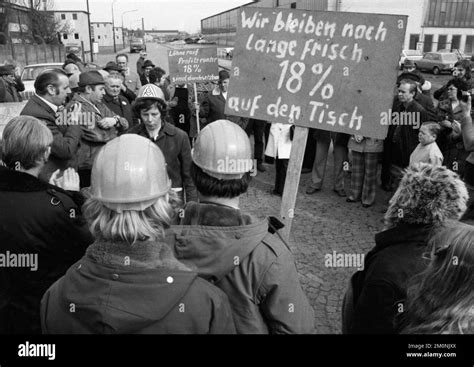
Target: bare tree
(43,24)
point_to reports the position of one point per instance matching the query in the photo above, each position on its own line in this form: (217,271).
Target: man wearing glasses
(10,84)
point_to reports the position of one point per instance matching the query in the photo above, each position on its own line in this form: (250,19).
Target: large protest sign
(328,70)
(9,111)
(193,65)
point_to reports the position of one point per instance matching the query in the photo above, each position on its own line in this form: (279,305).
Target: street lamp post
(123,34)
(113,25)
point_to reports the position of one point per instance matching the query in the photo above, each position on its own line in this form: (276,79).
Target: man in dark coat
(379,291)
(145,76)
(140,62)
(402,138)
(41,225)
(117,102)
(213,105)
(10,84)
(52,88)
(113,70)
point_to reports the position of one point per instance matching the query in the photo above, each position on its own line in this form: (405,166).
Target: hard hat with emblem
(222,150)
(129,173)
(150,91)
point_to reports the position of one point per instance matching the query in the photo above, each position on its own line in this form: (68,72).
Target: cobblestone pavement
(323,223)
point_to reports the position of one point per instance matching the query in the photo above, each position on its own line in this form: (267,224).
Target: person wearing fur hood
(427,197)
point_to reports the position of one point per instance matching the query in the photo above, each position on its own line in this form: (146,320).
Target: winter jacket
(279,141)
(212,108)
(44,220)
(254,268)
(94,137)
(367,145)
(132,80)
(66,137)
(380,289)
(174,144)
(9,92)
(403,139)
(122,107)
(117,288)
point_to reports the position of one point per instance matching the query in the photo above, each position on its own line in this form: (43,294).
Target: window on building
(442,40)
(456,42)
(293,5)
(414,39)
(428,43)
(74,16)
(105,36)
(469,49)
(76,36)
(63,16)
(98,37)
(65,36)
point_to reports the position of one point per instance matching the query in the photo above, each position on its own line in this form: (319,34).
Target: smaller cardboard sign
(193,65)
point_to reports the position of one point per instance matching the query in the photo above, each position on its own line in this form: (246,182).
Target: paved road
(324,223)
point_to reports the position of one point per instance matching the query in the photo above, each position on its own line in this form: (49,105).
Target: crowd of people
(136,232)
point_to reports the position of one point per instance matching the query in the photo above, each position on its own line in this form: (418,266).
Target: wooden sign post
(193,65)
(327,70)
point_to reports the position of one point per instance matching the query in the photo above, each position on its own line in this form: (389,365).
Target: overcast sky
(184,15)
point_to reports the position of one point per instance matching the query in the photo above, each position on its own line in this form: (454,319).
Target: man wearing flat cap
(99,124)
(10,84)
(147,67)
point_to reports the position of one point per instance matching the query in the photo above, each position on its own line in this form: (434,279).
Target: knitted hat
(427,194)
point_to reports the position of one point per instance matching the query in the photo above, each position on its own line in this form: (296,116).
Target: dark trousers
(310,150)
(386,162)
(280,176)
(257,128)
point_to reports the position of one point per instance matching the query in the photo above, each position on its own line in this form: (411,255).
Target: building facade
(432,24)
(103,34)
(76,32)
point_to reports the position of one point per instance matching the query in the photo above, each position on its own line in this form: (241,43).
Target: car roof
(45,64)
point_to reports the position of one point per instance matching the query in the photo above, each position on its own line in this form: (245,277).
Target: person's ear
(88,89)
(51,90)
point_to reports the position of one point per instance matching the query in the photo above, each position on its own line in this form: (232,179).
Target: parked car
(437,62)
(413,55)
(137,45)
(29,74)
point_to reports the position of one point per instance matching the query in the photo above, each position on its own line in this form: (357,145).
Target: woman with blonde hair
(129,280)
(440,300)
